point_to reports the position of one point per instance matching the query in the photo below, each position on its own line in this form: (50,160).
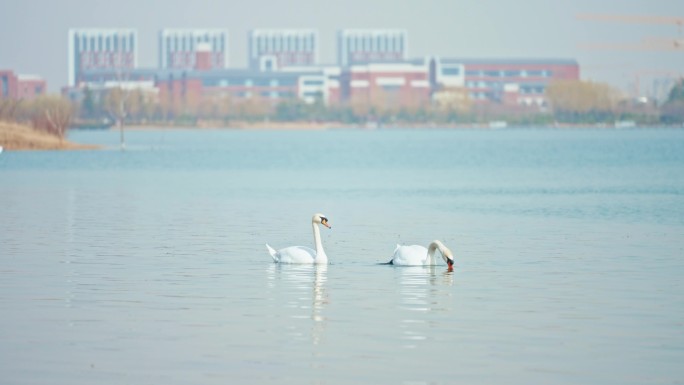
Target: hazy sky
(33,33)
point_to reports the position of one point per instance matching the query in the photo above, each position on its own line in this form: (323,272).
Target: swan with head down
(416,255)
(303,254)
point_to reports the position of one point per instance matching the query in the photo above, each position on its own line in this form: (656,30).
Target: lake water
(148,266)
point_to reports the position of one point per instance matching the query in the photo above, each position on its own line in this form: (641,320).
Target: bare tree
(52,114)
(115,104)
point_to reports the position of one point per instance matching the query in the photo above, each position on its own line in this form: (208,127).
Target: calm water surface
(149,267)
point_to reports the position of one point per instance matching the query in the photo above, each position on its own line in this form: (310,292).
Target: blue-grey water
(148,266)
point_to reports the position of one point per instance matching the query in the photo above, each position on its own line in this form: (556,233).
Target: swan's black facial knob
(324,222)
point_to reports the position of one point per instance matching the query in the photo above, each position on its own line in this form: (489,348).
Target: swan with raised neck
(303,254)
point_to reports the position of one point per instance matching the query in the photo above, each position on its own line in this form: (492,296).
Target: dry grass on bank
(20,137)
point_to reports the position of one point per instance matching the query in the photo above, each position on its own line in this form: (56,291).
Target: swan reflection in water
(422,290)
(301,291)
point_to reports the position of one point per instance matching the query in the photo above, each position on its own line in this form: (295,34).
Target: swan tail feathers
(391,261)
(274,254)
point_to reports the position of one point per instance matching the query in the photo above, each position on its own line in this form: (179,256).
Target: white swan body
(303,254)
(416,255)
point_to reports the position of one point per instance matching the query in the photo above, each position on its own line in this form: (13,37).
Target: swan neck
(434,245)
(320,253)
(431,253)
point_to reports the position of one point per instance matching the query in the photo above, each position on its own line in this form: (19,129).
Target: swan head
(446,253)
(321,220)
(448,257)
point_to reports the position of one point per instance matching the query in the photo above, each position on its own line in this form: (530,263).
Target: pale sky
(33,33)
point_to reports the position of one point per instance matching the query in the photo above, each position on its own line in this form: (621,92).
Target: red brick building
(176,93)
(513,81)
(21,86)
(386,85)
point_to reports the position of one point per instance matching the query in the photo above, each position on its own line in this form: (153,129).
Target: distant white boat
(371,125)
(0,149)
(498,124)
(625,124)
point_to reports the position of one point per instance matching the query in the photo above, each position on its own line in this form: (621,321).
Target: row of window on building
(104,40)
(510,73)
(523,87)
(269,41)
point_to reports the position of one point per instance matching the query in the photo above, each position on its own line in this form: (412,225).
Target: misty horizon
(526,29)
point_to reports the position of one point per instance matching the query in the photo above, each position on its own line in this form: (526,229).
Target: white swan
(303,254)
(416,255)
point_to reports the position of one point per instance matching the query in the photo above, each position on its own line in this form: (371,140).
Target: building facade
(274,49)
(178,88)
(386,85)
(21,86)
(390,85)
(283,64)
(359,46)
(520,82)
(177,48)
(114,49)
(8,84)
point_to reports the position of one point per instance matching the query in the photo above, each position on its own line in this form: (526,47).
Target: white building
(91,48)
(359,46)
(273,49)
(177,47)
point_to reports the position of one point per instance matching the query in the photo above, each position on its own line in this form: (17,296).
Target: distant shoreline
(19,137)
(321,126)
(300,126)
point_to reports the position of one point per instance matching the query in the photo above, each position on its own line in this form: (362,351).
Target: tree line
(569,102)
(147,107)
(589,102)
